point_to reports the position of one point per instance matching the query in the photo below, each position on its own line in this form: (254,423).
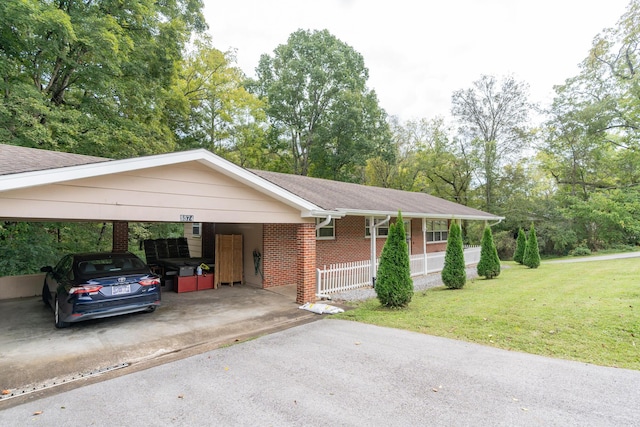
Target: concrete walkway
(342,373)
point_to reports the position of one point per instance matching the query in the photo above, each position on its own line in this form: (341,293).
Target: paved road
(341,373)
(595,258)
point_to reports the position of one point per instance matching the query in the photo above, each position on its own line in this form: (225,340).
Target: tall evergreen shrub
(394,286)
(521,244)
(532,252)
(454,274)
(489,264)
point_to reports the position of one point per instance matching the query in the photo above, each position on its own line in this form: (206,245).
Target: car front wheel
(59,323)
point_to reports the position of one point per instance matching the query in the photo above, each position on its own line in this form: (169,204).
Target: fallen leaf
(5,392)
(37,413)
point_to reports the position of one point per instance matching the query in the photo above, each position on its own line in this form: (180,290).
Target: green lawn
(587,311)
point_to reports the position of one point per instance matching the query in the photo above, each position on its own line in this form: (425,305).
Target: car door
(61,276)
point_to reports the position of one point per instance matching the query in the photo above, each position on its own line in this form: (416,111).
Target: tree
(521,244)
(213,110)
(489,264)
(532,253)
(318,102)
(394,286)
(454,274)
(493,119)
(73,72)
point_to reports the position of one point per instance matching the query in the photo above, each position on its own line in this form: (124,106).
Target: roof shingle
(16,159)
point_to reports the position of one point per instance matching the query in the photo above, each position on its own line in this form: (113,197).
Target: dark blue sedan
(96,285)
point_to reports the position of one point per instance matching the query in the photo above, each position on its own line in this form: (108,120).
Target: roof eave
(356,212)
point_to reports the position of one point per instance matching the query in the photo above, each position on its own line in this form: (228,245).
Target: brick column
(306,262)
(120,236)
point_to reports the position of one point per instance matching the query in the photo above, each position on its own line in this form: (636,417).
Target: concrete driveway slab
(35,354)
(342,373)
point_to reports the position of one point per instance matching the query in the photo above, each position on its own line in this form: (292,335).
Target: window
(382,231)
(196,228)
(328,232)
(437,231)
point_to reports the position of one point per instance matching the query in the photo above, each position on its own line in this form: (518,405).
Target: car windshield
(104,266)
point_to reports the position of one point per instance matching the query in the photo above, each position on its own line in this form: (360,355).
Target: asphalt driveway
(334,372)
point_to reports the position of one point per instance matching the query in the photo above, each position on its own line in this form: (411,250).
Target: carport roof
(15,159)
(22,167)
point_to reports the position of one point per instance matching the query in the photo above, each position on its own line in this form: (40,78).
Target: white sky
(419,52)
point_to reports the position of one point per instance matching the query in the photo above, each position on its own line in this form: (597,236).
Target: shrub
(532,253)
(394,286)
(454,274)
(489,264)
(505,244)
(521,244)
(580,251)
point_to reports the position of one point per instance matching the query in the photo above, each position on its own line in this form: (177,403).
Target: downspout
(424,244)
(499,221)
(373,231)
(326,221)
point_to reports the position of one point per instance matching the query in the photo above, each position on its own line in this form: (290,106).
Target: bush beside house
(489,264)
(394,286)
(454,274)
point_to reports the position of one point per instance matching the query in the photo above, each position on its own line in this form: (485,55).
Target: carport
(37,360)
(192,186)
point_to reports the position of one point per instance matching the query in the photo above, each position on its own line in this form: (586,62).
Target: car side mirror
(47,269)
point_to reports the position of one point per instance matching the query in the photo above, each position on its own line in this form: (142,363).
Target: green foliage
(505,244)
(489,264)
(394,286)
(454,274)
(72,73)
(27,246)
(532,254)
(493,117)
(580,251)
(521,244)
(319,104)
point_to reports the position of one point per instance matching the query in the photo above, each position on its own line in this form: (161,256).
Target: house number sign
(186,218)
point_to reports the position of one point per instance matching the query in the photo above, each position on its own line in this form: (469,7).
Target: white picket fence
(352,275)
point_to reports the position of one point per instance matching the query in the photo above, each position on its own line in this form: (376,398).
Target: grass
(588,312)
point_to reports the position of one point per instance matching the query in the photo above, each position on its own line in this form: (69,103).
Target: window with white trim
(382,231)
(196,229)
(328,232)
(437,231)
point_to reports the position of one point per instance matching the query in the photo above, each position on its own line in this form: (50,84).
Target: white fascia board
(108,167)
(355,212)
(323,214)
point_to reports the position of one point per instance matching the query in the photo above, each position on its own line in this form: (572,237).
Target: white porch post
(372,235)
(424,244)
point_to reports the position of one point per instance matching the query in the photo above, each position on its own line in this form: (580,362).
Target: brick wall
(120,236)
(289,257)
(279,254)
(351,244)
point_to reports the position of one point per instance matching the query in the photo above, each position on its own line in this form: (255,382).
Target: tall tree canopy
(493,119)
(319,105)
(75,71)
